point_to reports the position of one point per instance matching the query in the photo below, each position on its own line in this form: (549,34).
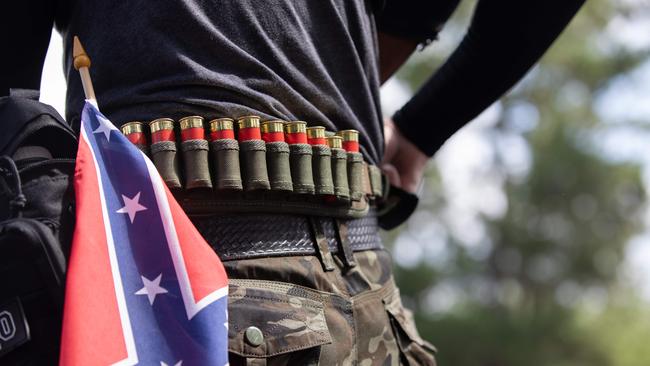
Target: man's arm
(27,26)
(403,24)
(504,40)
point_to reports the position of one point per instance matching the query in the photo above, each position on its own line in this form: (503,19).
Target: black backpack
(37,151)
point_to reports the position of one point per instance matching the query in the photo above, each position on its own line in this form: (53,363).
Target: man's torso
(309,60)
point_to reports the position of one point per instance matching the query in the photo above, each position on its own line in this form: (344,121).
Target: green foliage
(540,287)
(621,332)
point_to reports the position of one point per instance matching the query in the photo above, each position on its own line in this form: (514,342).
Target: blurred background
(531,245)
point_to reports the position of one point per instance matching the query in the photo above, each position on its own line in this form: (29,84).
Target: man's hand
(403,162)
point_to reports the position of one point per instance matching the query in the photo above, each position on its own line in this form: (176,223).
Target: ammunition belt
(260,235)
(259,167)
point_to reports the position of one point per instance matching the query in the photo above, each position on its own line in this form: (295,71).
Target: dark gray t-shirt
(314,60)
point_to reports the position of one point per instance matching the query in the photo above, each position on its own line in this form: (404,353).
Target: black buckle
(14,330)
(395,207)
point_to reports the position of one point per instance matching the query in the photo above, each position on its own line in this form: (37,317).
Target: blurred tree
(519,293)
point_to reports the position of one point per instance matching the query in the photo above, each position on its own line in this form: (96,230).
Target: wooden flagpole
(81,62)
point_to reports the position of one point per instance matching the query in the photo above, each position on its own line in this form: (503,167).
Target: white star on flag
(131,206)
(179,363)
(105,127)
(151,288)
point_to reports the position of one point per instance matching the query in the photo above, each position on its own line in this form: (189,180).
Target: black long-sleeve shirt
(299,59)
(283,59)
(505,38)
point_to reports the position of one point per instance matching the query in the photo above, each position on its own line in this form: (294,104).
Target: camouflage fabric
(306,315)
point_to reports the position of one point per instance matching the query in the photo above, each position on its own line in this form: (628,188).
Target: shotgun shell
(134,132)
(195,153)
(355,163)
(224,150)
(296,132)
(335,142)
(249,128)
(316,135)
(163,151)
(300,157)
(339,168)
(192,128)
(273,131)
(350,140)
(253,154)
(277,155)
(222,129)
(321,161)
(162,129)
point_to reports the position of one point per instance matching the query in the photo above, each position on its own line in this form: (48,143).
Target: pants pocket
(413,349)
(274,323)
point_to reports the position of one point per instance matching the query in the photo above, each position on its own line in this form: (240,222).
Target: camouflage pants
(290,311)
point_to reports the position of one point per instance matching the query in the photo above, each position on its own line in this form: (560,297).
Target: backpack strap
(22,115)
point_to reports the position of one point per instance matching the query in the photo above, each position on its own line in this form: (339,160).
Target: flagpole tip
(79,56)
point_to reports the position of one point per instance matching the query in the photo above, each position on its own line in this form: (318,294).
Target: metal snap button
(254,336)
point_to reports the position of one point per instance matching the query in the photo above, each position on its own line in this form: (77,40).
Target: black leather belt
(243,236)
